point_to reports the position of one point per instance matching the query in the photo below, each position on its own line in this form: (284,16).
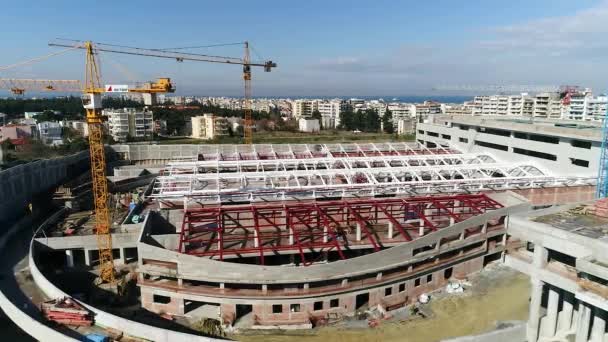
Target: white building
(554,144)
(31,115)
(584,106)
(303,108)
(308,125)
(330,112)
(129,122)
(50,132)
(209,126)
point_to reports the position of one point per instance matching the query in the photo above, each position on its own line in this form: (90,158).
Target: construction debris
(66,311)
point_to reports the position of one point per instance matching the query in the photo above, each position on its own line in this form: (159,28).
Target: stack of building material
(66,311)
(601,208)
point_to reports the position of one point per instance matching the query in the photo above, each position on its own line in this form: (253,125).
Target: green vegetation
(281,137)
(35,149)
(365,120)
(177,118)
(70,107)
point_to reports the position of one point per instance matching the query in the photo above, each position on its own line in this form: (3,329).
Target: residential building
(303,108)
(15,132)
(79,126)
(406,126)
(50,132)
(584,106)
(547,105)
(456,109)
(209,126)
(425,109)
(129,122)
(330,112)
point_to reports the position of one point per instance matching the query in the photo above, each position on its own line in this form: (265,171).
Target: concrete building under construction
(297,236)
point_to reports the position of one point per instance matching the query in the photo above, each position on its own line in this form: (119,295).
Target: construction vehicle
(188,56)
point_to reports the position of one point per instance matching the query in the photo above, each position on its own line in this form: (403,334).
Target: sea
(403,99)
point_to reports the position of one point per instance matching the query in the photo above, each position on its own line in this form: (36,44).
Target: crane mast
(248,129)
(93,107)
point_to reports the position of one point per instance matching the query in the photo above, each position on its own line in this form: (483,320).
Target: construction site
(197,242)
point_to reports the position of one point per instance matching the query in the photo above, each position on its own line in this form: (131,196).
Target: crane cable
(37,59)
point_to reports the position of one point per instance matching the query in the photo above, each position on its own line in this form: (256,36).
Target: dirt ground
(497,294)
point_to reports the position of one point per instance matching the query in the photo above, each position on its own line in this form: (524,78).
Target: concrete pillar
(290,235)
(534,314)
(540,257)
(123,255)
(582,329)
(69,258)
(389,234)
(551,319)
(255,239)
(421,230)
(358,238)
(325,232)
(180,282)
(599,326)
(87,257)
(565,317)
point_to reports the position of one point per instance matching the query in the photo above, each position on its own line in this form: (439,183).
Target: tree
(317,115)
(371,121)
(347,120)
(387,122)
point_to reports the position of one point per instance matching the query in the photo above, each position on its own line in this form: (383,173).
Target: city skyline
(337,49)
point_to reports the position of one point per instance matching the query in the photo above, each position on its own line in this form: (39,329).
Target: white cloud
(568,49)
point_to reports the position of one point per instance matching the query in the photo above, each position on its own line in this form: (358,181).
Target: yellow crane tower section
(92,105)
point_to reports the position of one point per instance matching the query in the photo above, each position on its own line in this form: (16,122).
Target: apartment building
(399,112)
(584,106)
(456,109)
(50,132)
(209,126)
(303,108)
(129,123)
(547,105)
(16,132)
(330,112)
(564,147)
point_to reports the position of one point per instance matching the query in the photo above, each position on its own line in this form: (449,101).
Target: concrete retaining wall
(19,184)
(31,326)
(103,318)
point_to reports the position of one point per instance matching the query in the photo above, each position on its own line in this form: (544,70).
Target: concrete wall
(105,319)
(195,268)
(20,184)
(28,324)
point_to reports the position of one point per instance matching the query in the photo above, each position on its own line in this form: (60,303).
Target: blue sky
(324,48)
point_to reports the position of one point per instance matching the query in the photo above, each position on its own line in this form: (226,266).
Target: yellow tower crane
(245,61)
(92,102)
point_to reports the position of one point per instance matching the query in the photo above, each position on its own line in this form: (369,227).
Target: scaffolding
(312,229)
